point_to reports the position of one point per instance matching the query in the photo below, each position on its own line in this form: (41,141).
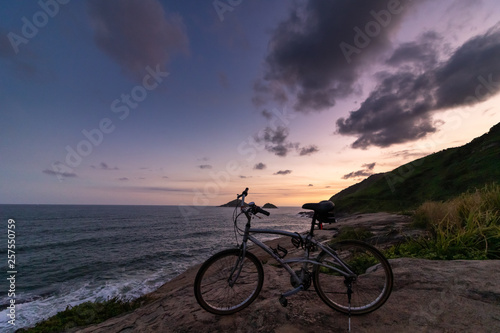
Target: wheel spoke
(371,287)
(212,289)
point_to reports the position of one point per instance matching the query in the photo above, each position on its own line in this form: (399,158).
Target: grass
(437,177)
(359,233)
(466,227)
(85,314)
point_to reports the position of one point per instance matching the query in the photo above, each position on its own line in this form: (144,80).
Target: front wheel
(222,288)
(369,289)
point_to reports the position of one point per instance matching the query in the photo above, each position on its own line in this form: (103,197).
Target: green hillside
(438,176)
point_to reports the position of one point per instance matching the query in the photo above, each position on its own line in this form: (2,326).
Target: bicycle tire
(372,286)
(212,289)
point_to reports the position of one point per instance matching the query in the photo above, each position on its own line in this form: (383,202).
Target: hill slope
(438,176)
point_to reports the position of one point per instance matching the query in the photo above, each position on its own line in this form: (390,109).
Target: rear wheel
(371,286)
(213,288)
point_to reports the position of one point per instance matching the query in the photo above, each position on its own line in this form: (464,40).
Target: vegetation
(466,227)
(85,314)
(358,233)
(439,176)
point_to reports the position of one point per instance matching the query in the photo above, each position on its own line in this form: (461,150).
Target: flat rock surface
(428,296)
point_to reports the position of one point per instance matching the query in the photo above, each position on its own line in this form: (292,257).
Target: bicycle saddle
(320,207)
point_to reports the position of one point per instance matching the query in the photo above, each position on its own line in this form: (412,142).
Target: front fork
(236,271)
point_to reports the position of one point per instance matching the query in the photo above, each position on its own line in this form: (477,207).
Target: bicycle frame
(307,239)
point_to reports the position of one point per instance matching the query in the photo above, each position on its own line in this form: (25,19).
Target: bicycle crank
(305,276)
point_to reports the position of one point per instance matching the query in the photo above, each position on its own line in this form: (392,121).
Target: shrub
(466,227)
(358,233)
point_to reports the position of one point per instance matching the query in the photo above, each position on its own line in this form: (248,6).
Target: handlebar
(244,193)
(255,209)
(260,210)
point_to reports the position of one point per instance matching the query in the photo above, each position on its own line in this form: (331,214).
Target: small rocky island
(269,205)
(232,203)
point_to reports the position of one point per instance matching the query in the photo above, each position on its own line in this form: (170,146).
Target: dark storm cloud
(283,172)
(476,63)
(422,53)
(367,171)
(259,166)
(400,108)
(137,34)
(307,52)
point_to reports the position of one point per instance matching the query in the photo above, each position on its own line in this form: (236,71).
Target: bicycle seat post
(313,223)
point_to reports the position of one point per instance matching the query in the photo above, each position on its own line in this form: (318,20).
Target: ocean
(70,254)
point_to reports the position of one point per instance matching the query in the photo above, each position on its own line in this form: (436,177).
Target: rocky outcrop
(428,296)
(269,206)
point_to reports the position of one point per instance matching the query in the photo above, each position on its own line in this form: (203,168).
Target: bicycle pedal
(283,301)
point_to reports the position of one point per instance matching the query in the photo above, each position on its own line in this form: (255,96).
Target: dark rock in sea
(232,203)
(306,214)
(269,205)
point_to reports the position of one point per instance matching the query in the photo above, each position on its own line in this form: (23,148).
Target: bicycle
(349,276)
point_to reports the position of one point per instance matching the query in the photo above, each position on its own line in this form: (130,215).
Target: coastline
(428,295)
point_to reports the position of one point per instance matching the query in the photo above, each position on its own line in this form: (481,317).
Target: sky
(158,102)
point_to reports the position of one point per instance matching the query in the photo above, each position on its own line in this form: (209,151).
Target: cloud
(223,80)
(160,189)
(266,114)
(306,63)
(422,53)
(153,189)
(367,171)
(123,179)
(310,185)
(205,166)
(137,34)
(259,166)
(59,173)
(308,150)
(276,141)
(407,153)
(283,172)
(104,166)
(400,109)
